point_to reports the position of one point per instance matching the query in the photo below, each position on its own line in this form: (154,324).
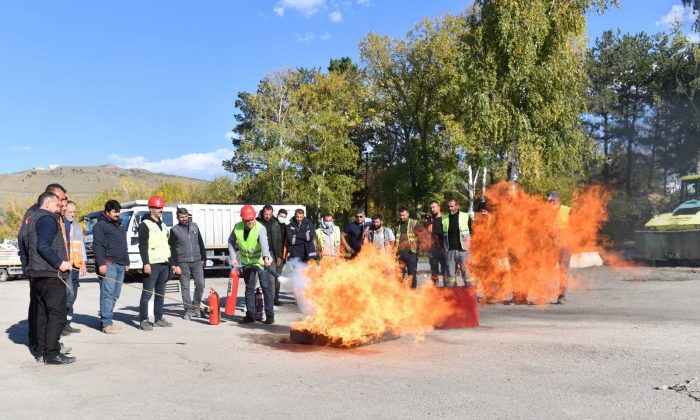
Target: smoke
(295,282)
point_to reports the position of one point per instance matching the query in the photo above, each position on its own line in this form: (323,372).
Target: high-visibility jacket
(463,229)
(158,247)
(320,236)
(410,235)
(250,252)
(562,220)
(76,246)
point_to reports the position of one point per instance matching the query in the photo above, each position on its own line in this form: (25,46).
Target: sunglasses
(359,216)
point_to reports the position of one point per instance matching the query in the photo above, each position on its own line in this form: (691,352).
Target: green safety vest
(413,243)
(250,252)
(158,247)
(463,228)
(319,238)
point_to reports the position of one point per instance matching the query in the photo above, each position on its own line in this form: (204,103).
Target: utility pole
(366,183)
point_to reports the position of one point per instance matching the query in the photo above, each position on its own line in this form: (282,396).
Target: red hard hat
(247,213)
(156,201)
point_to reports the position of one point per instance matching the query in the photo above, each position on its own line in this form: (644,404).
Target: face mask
(327,224)
(282,219)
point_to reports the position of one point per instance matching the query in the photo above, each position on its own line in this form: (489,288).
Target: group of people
(53,257)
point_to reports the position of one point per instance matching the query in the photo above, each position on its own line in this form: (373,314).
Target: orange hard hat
(156,201)
(247,213)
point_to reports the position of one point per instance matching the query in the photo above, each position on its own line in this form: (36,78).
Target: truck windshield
(91,221)
(125,216)
(690,190)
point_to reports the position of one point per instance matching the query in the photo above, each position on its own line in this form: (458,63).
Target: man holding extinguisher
(249,238)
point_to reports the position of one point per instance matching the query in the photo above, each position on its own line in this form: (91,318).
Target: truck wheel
(3,275)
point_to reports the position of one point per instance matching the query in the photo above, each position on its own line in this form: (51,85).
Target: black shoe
(270,320)
(39,359)
(246,320)
(71,329)
(65,332)
(60,359)
(278,302)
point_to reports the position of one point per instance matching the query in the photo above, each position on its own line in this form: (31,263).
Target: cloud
(336,17)
(199,165)
(363,1)
(23,148)
(677,15)
(325,36)
(305,38)
(694,37)
(306,7)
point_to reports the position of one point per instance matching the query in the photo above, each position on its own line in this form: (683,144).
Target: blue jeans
(72,292)
(408,263)
(110,289)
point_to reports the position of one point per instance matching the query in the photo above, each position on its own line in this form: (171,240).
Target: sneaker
(246,320)
(561,299)
(270,320)
(188,315)
(146,325)
(60,359)
(65,349)
(109,329)
(71,329)
(163,323)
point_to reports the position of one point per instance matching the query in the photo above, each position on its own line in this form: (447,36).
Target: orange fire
(361,299)
(515,249)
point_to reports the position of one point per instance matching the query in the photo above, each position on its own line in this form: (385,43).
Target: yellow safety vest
(158,247)
(319,239)
(412,242)
(250,252)
(463,228)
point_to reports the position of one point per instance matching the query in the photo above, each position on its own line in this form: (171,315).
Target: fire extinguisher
(214,308)
(232,292)
(258,304)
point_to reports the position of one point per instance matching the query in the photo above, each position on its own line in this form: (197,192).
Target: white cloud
(363,1)
(305,38)
(336,17)
(199,165)
(677,15)
(23,148)
(694,37)
(325,36)
(306,7)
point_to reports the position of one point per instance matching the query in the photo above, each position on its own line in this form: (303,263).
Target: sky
(152,84)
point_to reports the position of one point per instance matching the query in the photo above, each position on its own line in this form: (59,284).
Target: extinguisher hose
(58,274)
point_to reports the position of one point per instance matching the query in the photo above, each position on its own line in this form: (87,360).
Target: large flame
(358,300)
(515,249)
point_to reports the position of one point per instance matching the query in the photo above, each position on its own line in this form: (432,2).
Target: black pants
(249,277)
(408,261)
(156,280)
(278,269)
(50,314)
(31,318)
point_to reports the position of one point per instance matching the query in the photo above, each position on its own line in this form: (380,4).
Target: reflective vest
(250,252)
(320,236)
(77,248)
(413,243)
(463,229)
(562,220)
(158,247)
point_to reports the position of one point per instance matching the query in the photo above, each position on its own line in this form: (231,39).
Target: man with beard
(77,257)
(189,257)
(436,253)
(300,238)
(275,244)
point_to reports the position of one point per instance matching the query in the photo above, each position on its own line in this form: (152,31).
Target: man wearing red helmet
(155,255)
(249,237)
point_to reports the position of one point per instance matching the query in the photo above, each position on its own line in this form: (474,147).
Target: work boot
(60,359)
(163,323)
(109,329)
(188,315)
(146,325)
(246,320)
(269,320)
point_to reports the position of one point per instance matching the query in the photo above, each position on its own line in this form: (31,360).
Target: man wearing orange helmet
(249,237)
(155,255)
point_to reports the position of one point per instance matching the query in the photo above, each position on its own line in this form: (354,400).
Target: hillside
(80,181)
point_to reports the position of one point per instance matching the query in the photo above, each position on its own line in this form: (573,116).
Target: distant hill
(80,181)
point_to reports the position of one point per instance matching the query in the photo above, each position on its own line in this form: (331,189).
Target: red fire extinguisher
(232,292)
(259,304)
(214,308)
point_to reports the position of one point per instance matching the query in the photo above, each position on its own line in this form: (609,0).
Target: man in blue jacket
(112,261)
(300,238)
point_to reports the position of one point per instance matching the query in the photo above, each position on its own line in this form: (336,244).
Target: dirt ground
(622,333)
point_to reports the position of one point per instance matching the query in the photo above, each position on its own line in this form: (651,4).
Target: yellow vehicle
(675,236)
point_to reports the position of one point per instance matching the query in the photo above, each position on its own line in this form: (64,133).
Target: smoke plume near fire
(361,299)
(515,249)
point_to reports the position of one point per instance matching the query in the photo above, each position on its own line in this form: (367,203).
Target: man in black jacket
(274,241)
(111,260)
(48,267)
(189,256)
(300,238)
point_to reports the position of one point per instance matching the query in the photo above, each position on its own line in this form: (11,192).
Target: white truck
(10,264)
(215,221)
